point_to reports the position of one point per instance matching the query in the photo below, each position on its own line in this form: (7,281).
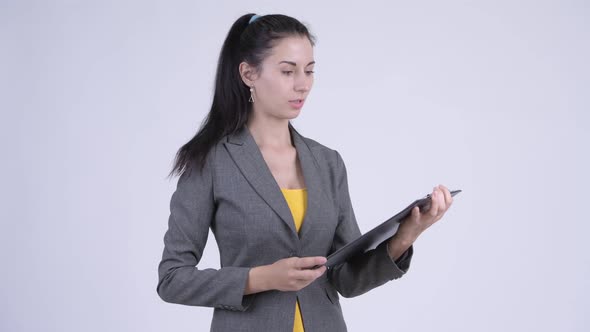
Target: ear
(248,73)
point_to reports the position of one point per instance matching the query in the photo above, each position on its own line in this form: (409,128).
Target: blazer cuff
(403,262)
(400,266)
(234,299)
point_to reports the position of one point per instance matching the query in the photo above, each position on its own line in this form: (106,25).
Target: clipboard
(377,235)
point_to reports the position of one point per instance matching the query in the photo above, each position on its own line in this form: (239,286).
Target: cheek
(269,89)
(276,91)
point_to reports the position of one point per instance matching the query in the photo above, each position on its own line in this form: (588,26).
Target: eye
(310,72)
(287,72)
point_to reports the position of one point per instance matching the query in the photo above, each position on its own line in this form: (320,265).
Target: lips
(297,103)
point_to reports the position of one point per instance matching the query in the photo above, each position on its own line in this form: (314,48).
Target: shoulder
(327,158)
(321,150)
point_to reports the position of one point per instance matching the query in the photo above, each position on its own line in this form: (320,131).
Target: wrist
(258,280)
(265,278)
(397,245)
(407,235)
(405,240)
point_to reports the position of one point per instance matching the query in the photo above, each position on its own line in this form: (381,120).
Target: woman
(277,202)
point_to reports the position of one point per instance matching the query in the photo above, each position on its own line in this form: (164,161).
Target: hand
(288,274)
(294,273)
(411,228)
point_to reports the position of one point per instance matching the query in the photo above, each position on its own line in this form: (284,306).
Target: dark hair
(249,42)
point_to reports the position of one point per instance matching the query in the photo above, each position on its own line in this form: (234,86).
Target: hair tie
(253,18)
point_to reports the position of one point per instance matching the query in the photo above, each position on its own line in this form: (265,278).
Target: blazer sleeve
(372,269)
(192,208)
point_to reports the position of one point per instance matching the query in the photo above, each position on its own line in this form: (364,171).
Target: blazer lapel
(316,198)
(250,161)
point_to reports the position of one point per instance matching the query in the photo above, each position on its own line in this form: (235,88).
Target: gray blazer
(237,197)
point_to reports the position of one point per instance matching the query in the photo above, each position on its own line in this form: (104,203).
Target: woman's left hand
(411,228)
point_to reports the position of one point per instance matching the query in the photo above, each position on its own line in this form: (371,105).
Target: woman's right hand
(287,274)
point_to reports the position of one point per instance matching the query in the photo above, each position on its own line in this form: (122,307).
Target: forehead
(295,49)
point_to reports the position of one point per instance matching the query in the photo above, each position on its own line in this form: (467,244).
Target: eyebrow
(294,64)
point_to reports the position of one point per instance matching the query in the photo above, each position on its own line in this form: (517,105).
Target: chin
(289,114)
(293,114)
(295,111)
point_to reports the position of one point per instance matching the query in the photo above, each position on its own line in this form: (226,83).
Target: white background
(491,97)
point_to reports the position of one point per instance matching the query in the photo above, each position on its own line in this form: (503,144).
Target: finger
(309,262)
(442,205)
(303,276)
(319,271)
(415,213)
(447,194)
(434,203)
(309,275)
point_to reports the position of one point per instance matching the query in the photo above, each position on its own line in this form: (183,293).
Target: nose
(303,83)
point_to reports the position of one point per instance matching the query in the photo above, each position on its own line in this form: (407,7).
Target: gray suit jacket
(237,197)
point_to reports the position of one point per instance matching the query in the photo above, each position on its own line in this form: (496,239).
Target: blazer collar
(249,159)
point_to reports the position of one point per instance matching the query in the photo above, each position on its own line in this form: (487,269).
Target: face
(285,79)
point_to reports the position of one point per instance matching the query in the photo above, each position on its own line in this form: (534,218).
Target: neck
(273,133)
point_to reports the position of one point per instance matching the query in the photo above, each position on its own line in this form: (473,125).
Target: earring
(251,95)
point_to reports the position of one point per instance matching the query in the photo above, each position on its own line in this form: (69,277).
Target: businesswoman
(276,201)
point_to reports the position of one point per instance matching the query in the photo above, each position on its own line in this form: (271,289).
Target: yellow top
(297,201)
